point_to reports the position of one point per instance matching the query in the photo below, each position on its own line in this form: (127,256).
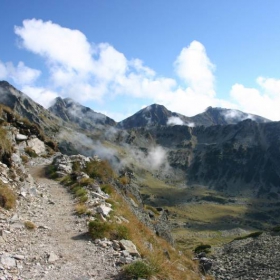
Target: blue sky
(118,56)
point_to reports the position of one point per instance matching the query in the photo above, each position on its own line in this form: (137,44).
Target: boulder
(128,246)
(37,145)
(104,210)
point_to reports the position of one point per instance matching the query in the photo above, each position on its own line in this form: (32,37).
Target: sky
(117,57)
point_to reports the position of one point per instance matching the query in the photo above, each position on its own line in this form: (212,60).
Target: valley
(215,175)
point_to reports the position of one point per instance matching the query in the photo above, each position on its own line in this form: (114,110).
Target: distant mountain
(155,114)
(151,116)
(221,116)
(84,117)
(242,158)
(24,106)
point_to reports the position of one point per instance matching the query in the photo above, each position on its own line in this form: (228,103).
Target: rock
(130,247)
(16,158)
(104,210)
(7,261)
(37,145)
(21,137)
(52,257)
(19,257)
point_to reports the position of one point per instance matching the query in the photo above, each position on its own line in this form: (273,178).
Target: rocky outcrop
(24,106)
(251,258)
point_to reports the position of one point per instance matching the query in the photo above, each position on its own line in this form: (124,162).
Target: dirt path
(59,248)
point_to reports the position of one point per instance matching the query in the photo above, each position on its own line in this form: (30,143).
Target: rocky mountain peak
(72,111)
(152,115)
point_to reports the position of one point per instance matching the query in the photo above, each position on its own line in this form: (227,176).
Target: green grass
(140,269)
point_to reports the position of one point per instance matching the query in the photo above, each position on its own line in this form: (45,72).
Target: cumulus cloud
(20,74)
(264,101)
(87,71)
(194,67)
(65,46)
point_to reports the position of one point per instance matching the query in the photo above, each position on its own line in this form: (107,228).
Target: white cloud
(40,95)
(20,74)
(175,121)
(264,102)
(85,71)
(65,46)
(194,67)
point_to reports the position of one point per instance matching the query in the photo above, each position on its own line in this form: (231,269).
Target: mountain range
(222,149)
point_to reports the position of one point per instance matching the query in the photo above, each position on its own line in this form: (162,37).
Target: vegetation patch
(276,229)
(7,197)
(202,248)
(29,225)
(100,170)
(251,235)
(140,269)
(30,152)
(81,209)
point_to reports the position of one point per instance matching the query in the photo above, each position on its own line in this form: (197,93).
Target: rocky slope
(251,258)
(71,111)
(58,247)
(240,158)
(25,107)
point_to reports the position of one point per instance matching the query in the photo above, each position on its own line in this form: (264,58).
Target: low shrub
(24,158)
(139,269)
(107,188)
(7,197)
(251,235)
(79,192)
(86,181)
(29,225)
(51,172)
(30,152)
(276,229)
(81,209)
(124,180)
(119,232)
(151,208)
(100,170)
(76,166)
(99,229)
(202,248)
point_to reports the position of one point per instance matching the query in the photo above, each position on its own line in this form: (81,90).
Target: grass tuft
(7,197)
(139,269)
(29,225)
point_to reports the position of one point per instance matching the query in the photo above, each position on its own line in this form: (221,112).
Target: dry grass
(5,143)
(7,197)
(81,208)
(29,225)
(177,267)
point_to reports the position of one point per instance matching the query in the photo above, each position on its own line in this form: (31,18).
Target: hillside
(187,183)
(85,223)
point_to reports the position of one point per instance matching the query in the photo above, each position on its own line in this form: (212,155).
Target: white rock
(8,261)
(104,210)
(52,257)
(129,247)
(37,145)
(21,137)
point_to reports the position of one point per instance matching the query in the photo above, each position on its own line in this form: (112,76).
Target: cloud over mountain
(87,71)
